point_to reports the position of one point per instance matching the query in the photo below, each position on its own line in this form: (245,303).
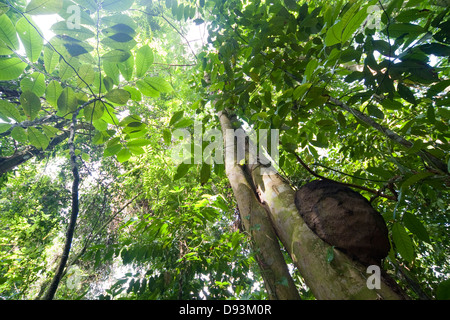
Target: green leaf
(311,68)
(146,89)
(177,116)
(354,24)
(437,49)
(183,123)
(31,104)
(138,143)
(123,155)
(300,91)
(91,5)
(136,150)
(120,29)
(116,56)
(51,59)
(443,290)
(406,93)
(8,33)
(4,51)
(391,104)
(9,111)
(167,137)
(93,111)
(398,29)
(117,5)
(416,147)
(205,173)
(80,33)
(159,84)
(334,34)
(347,25)
(325,123)
(112,150)
(144,59)
(112,70)
(402,242)
(375,112)
(86,72)
(11,68)
(67,101)
(66,70)
(416,227)
(34,83)
(4,8)
(437,88)
(415,178)
(119,96)
(127,68)
(5,127)
(290,4)
(100,124)
(431,114)
(120,19)
(121,37)
(37,138)
(53,92)
(77,49)
(31,39)
(37,7)
(182,170)
(49,131)
(341,119)
(19,134)
(135,94)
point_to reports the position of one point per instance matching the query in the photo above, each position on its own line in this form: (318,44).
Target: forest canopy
(114,176)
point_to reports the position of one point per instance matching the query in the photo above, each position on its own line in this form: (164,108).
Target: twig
(182,35)
(425,155)
(347,174)
(378,193)
(75,210)
(108,221)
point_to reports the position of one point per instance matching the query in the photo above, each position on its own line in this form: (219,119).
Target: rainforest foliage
(358,91)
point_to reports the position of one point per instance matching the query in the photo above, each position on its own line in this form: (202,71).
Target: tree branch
(75,209)
(27,123)
(105,224)
(377,193)
(423,154)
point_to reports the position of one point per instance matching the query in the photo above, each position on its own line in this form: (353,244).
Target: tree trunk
(74,214)
(342,278)
(277,279)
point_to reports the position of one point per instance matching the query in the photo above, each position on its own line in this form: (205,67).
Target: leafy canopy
(358,90)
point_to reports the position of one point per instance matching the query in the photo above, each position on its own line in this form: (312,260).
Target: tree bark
(342,278)
(277,279)
(49,295)
(9,163)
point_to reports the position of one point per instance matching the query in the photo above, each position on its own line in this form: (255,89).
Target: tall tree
(357,92)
